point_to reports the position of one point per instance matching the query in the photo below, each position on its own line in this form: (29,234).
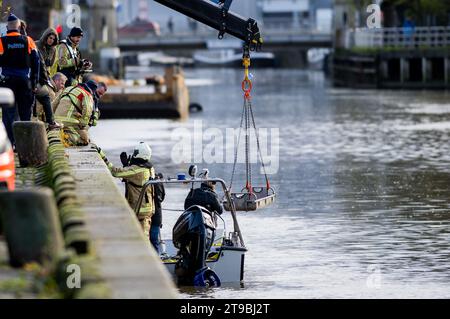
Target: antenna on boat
(192,173)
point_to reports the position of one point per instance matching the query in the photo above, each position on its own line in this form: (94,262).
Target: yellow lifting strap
(246,62)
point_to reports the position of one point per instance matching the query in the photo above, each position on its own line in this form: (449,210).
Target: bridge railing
(407,37)
(204,35)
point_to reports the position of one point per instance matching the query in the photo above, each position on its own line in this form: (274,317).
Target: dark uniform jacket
(19,57)
(160,195)
(204,197)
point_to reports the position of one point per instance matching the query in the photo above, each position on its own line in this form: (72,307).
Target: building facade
(270,14)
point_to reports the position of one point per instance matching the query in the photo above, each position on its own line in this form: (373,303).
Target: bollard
(31,227)
(31,143)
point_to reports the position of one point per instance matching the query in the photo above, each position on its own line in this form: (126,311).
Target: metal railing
(419,37)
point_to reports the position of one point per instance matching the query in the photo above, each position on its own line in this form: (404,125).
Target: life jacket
(16,52)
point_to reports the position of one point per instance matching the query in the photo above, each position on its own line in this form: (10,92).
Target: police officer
(19,61)
(70,62)
(135,176)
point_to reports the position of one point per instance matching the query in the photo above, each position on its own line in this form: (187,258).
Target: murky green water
(363,204)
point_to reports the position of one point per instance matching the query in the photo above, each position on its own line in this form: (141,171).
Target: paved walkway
(128,263)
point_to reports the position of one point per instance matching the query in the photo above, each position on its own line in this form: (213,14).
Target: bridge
(302,40)
(290,46)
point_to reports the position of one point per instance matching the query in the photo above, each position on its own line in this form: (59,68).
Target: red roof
(139,26)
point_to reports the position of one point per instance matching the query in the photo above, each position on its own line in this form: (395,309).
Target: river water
(363,206)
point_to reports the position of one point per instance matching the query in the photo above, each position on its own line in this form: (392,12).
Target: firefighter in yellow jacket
(70,62)
(74,108)
(139,171)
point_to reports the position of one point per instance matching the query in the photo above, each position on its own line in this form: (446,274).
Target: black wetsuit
(205,197)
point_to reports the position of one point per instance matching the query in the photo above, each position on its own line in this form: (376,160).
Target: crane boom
(217,16)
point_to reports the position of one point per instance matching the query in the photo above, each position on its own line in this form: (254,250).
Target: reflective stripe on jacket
(74,107)
(135,177)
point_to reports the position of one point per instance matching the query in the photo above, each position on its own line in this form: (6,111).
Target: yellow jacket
(135,177)
(74,107)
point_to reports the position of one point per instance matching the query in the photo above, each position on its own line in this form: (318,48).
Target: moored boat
(231,58)
(200,252)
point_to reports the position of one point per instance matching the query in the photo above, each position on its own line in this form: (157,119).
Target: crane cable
(248,117)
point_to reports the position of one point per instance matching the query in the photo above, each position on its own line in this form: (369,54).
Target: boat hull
(156,101)
(227,262)
(121,108)
(229,58)
(256,63)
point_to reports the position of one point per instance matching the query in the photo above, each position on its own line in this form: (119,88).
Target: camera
(85,66)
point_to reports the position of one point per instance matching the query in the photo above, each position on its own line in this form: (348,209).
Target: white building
(285,14)
(130,9)
(269,13)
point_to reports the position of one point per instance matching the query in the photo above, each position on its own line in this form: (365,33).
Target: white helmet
(143,151)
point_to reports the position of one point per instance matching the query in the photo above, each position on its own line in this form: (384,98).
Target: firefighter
(74,108)
(93,121)
(102,89)
(59,81)
(139,171)
(70,62)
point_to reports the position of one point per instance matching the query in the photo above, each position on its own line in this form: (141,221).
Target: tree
(37,13)
(4,10)
(422,10)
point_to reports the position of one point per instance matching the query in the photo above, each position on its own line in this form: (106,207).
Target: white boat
(161,59)
(224,254)
(317,58)
(226,259)
(231,58)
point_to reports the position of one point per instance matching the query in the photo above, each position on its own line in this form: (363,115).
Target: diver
(194,235)
(204,196)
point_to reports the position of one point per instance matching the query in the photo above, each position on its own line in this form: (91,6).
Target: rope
(247,146)
(259,148)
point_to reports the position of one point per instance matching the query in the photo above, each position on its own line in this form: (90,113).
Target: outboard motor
(193,235)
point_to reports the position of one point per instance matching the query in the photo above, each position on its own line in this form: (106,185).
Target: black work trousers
(24,103)
(44,99)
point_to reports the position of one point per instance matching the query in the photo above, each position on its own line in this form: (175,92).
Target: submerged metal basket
(260,197)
